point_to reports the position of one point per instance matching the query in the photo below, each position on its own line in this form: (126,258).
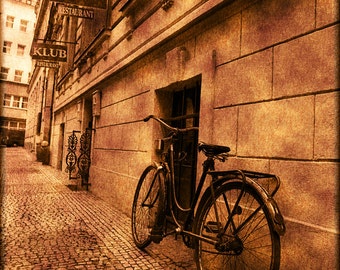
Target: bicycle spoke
(247,239)
(146,205)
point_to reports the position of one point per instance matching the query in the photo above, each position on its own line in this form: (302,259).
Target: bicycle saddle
(212,149)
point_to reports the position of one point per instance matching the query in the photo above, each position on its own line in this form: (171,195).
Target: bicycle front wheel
(240,229)
(148,204)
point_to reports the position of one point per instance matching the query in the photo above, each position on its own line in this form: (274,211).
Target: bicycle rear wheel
(243,230)
(148,204)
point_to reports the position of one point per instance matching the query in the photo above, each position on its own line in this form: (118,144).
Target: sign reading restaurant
(85,3)
(49,52)
(76,12)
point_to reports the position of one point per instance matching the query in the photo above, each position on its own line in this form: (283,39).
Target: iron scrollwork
(71,157)
(84,160)
(80,164)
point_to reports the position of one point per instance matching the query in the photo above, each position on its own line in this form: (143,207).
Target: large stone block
(114,92)
(225,128)
(112,160)
(246,80)
(327,11)
(190,68)
(303,247)
(132,135)
(269,22)
(172,65)
(308,192)
(123,110)
(307,64)
(224,38)
(113,187)
(327,126)
(249,164)
(156,70)
(145,137)
(141,105)
(138,161)
(109,137)
(283,128)
(136,82)
(179,62)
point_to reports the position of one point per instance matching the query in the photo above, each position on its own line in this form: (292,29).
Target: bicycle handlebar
(176,130)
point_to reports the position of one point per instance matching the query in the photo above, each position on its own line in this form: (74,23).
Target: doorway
(87,114)
(183,112)
(61,146)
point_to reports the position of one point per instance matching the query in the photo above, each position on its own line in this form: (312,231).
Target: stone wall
(276,106)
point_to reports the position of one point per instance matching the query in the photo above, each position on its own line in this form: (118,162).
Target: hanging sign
(76,11)
(46,64)
(49,52)
(85,3)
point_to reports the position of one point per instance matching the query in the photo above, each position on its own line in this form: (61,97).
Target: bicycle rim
(148,200)
(248,240)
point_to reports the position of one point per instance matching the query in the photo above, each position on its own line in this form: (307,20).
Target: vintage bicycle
(233,224)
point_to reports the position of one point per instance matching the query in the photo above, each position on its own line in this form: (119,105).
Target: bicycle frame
(168,168)
(218,178)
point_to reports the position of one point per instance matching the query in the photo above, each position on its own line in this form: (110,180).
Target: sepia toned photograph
(169,134)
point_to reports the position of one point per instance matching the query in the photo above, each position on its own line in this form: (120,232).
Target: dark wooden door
(185,113)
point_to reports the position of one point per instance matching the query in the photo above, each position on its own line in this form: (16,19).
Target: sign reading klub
(49,52)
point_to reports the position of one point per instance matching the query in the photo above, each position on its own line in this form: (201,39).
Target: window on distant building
(22,125)
(13,125)
(9,21)
(21,50)
(7,47)
(7,100)
(4,123)
(23,25)
(18,75)
(24,102)
(4,73)
(15,101)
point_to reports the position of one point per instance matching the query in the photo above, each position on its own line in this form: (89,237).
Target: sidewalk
(46,225)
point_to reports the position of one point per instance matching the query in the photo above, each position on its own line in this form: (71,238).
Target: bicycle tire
(255,246)
(148,206)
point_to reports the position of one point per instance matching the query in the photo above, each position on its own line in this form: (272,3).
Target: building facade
(257,76)
(17,28)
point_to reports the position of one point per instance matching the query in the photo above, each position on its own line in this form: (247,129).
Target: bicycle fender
(273,208)
(274,211)
(278,220)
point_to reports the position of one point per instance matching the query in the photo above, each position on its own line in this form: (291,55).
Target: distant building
(17,28)
(260,76)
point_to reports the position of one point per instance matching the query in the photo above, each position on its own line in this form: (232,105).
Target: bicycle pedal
(156,238)
(213,226)
(156,235)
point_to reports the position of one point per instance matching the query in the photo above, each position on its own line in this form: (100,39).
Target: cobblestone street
(46,225)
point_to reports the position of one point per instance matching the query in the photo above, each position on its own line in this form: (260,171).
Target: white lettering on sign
(47,64)
(49,52)
(87,3)
(76,12)
(43,51)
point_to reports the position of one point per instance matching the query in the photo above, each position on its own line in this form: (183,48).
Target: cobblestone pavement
(46,225)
